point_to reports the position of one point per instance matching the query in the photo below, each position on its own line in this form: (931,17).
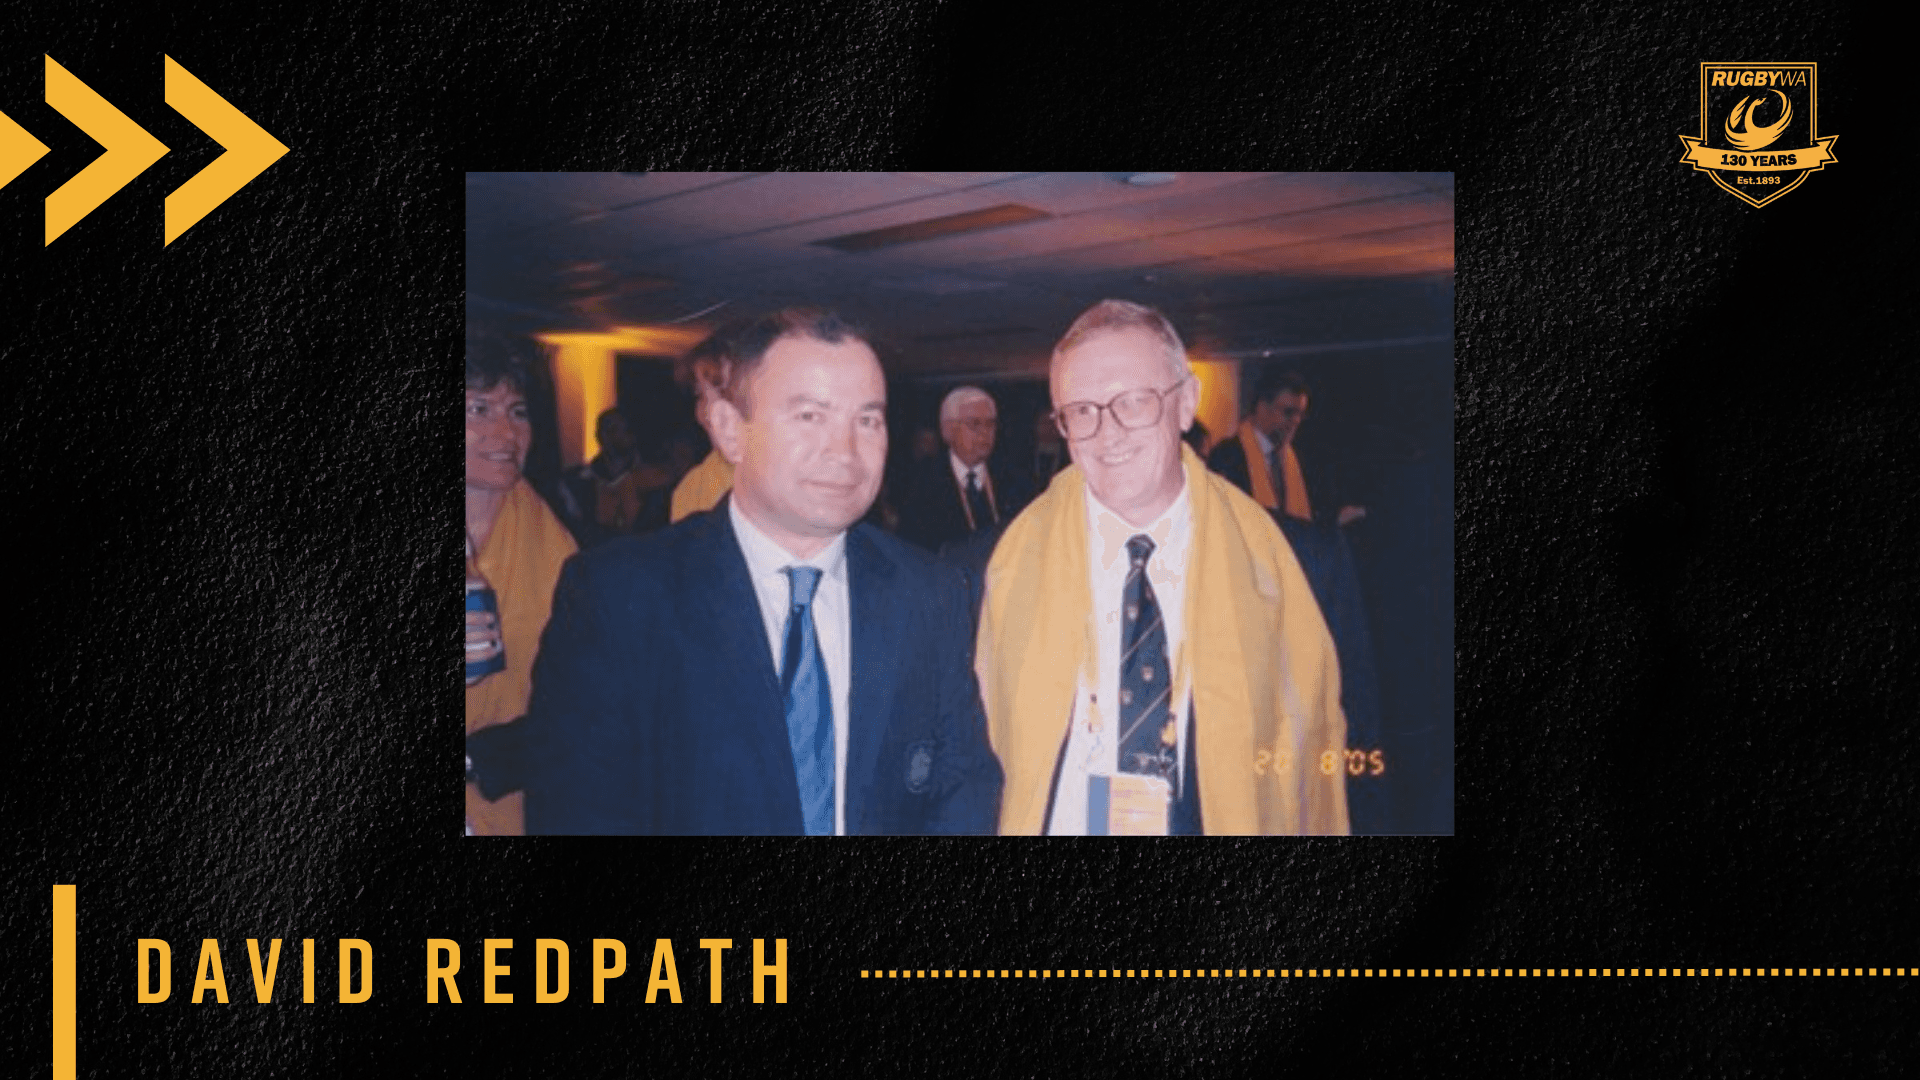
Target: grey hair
(1111,315)
(961,396)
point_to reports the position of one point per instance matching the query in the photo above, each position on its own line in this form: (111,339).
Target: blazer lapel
(733,610)
(878,626)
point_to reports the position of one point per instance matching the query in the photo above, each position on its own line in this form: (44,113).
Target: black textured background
(1686,588)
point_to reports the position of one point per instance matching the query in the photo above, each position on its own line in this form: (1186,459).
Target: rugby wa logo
(1759,129)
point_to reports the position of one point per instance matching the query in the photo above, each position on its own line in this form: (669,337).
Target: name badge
(1127,805)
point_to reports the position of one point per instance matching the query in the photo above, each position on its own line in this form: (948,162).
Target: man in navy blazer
(767,667)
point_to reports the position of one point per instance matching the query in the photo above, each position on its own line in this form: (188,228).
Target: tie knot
(805,579)
(1139,548)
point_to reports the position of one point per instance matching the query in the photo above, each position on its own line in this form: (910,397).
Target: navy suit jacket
(1327,561)
(970,555)
(656,707)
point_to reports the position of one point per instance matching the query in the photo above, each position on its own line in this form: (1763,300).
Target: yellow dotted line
(1367,973)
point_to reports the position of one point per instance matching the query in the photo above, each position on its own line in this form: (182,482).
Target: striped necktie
(803,676)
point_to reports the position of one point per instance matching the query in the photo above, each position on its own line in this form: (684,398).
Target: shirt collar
(961,469)
(1108,532)
(767,559)
(1266,444)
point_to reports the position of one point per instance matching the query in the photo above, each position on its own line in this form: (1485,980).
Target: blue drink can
(480,598)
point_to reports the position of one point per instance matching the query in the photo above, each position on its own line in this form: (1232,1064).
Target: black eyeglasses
(1080,420)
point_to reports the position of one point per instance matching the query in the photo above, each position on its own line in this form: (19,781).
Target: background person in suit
(1261,460)
(770,667)
(953,495)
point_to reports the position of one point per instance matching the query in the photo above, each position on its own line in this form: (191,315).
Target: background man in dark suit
(958,493)
(1279,404)
(768,666)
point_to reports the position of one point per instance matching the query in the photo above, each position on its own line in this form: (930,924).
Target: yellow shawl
(702,487)
(1266,684)
(1262,478)
(522,562)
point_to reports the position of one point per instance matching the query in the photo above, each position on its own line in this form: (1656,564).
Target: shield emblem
(919,767)
(1759,129)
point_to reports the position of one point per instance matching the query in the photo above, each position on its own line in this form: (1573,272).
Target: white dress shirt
(832,625)
(1096,753)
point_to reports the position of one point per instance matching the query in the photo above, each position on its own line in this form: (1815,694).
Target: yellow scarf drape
(1269,734)
(702,487)
(1261,476)
(521,560)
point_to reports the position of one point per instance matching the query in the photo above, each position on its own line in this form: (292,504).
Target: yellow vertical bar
(1219,407)
(585,384)
(64,979)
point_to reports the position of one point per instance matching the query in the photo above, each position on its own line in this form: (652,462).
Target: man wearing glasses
(960,493)
(1261,459)
(1150,656)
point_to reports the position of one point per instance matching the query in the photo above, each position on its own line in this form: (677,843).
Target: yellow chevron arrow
(249,150)
(18,149)
(129,150)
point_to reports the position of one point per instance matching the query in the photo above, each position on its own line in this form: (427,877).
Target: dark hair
(607,417)
(1274,382)
(710,363)
(494,358)
(747,343)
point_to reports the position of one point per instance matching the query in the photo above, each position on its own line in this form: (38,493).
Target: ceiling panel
(1330,224)
(1240,260)
(965,179)
(1318,256)
(1124,254)
(1172,214)
(1261,198)
(1062,194)
(868,219)
(766,201)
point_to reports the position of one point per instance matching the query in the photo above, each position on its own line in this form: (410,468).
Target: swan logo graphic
(1759,129)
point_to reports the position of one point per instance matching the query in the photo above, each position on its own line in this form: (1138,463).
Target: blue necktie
(803,676)
(1147,740)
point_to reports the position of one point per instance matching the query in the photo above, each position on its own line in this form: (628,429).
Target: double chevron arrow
(129,150)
